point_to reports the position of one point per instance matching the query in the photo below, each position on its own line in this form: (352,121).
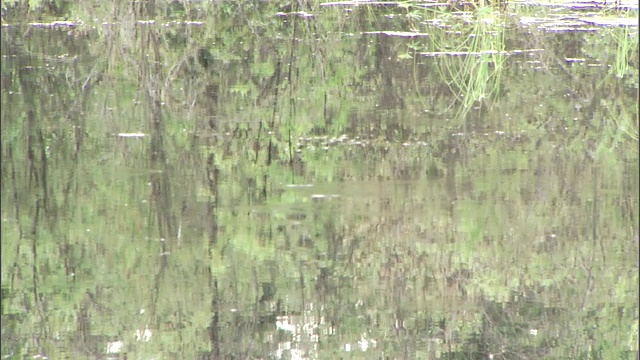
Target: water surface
(256,181)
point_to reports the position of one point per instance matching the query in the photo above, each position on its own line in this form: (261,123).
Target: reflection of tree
(39,206)
(506,331)
(192,82)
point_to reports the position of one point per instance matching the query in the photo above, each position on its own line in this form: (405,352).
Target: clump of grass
(475,78)
(626,42)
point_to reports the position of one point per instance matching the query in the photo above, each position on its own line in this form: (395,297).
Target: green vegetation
(345,170)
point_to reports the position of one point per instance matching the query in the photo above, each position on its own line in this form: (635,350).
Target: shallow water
(255,181)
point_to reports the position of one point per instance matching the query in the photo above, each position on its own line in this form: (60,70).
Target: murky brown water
(226,183)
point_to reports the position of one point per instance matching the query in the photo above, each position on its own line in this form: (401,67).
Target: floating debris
(196,23)
(143,335)
(396,33)
(303,14)
(478,53)
(324,196)
(581,4)
(50,25)
(299,185)
(610,21)
(131,135)
(574,23)
(114,347)
(361,2)
(282,323)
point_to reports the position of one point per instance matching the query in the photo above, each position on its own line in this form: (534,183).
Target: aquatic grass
(621,114)
(229,239)
(626,42)
(473,78)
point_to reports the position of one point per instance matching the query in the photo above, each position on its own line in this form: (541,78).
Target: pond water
(222,180)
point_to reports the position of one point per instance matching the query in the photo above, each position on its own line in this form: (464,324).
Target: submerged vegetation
(213,179)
